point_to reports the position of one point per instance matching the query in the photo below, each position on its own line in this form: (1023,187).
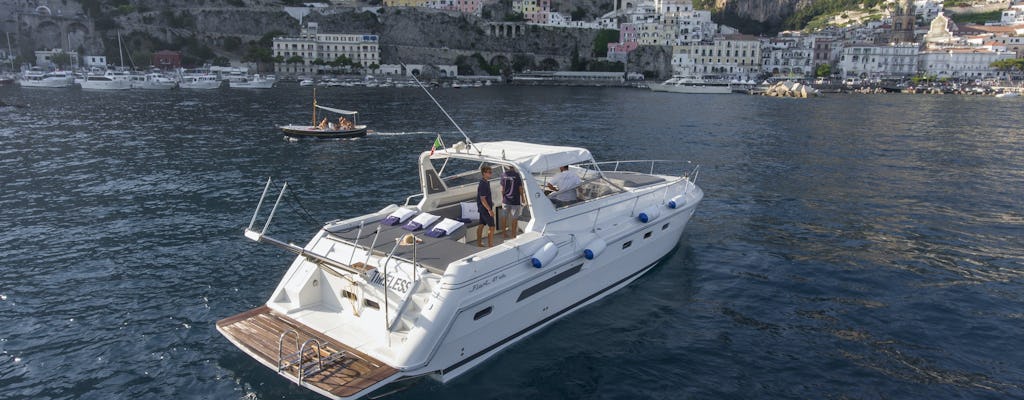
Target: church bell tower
(903,21)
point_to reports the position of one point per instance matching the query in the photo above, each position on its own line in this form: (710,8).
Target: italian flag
(437,145)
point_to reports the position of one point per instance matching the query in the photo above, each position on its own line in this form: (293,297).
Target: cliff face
(756,16)
(758,10)
(207,30)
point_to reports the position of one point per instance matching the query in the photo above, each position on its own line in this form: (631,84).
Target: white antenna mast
(468,140)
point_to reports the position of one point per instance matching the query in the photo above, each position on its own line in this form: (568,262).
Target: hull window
(532,290)
(482,313)
(627,244)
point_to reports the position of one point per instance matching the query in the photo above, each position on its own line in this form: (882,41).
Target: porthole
(627,244)
(482,313)
(348,295)
(647,235)
(372,304)
(664,227)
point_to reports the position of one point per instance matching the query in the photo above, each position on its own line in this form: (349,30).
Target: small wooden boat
(326,129)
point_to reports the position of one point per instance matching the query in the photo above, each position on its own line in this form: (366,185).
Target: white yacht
(37,78)
(255,81)
(406,292)
(684,84)
(153,80)
(108,80)
(200,81)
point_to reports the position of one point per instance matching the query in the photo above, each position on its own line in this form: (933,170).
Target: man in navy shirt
(512,199)
(485,206)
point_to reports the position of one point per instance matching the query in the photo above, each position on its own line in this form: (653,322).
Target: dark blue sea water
(848,247)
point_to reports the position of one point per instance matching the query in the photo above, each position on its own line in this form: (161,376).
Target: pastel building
(474,7)
(620,50)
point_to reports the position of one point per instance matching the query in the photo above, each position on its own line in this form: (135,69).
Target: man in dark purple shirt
(512,199)
(485,206)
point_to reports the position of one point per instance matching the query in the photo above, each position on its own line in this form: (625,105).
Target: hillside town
(906,40)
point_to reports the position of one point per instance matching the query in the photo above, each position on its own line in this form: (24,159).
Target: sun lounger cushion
(399,216)
(420,222)
(469,211)
(444,228)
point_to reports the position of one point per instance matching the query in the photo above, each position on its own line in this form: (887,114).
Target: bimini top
(534,158)
(337,110)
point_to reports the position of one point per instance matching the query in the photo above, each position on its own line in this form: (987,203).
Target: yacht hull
(106,85)
(583,282)
(251,85)
(46,83)
(694,89)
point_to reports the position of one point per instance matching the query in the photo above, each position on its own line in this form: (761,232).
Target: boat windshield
(593,185)
(457,172)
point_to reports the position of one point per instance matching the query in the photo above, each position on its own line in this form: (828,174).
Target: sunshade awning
(337,110)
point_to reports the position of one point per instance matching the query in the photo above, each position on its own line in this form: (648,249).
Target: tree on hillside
(604,37)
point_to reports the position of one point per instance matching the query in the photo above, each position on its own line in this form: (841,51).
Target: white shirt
(565,180)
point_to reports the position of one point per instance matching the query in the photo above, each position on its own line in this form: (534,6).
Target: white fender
(544,256)
(676,202)
(594,248)
(648,215)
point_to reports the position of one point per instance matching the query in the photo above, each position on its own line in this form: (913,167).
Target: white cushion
(449,225)
(469,211)
(402,214)
(425,219)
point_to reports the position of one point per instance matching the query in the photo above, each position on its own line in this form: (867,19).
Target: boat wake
(375,133)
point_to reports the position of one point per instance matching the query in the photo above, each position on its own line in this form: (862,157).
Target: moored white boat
(153,81)
(108,80)
(200,81)
(405,291)
(55,79)
(255,81)
(683,84)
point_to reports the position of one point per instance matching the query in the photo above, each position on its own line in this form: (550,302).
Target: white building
(730,56)
(1013,15)
(94,61)
(45,58)
(311,45)
(927,9)
(879,61)
(409,70)
(961,63)
(790,56)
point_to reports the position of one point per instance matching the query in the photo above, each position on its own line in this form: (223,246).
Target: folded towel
(420,221)
(398,216)
(444,228)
